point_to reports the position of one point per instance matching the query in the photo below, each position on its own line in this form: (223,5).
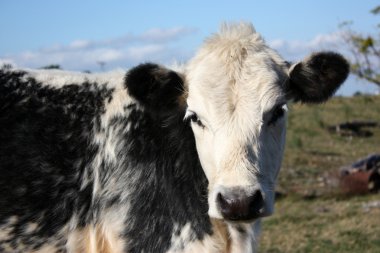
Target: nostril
(224,203)
(229,207)
(256,203)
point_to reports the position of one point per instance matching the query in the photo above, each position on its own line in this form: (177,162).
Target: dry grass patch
(329,222)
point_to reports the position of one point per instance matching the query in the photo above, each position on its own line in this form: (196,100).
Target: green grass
(329,222)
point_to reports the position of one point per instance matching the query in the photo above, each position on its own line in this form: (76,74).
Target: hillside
(315,216)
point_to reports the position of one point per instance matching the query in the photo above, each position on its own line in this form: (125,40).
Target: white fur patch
(7,227)
(185,241)
(103,237)
(59,78)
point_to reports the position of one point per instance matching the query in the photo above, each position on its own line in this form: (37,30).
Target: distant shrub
(51,66)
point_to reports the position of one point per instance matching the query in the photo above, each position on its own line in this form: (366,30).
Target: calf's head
(238,89)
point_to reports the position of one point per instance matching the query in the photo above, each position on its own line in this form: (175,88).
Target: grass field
(315,217)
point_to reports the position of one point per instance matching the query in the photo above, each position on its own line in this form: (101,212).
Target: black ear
(316,78)
(155,86)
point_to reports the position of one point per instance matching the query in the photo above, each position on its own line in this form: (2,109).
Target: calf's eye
(193,117)
(277,113)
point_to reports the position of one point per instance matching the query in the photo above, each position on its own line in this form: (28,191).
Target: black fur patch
(317,79)
(46,144)
(155,86)
(45,135)
(173,189)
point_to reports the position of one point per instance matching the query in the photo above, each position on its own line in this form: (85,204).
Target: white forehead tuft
(232,38)
(239,31)
(235,48)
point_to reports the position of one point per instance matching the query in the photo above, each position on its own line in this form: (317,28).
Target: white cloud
(79,44)
(5,61)
(141,52)
(162,35)
(297,49)
(124,51)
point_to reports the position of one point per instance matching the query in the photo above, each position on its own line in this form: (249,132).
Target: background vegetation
(364,50)
(315,216)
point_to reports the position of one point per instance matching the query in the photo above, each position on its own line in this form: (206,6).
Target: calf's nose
(240,206)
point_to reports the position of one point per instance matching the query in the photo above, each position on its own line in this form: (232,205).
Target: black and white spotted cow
(98,163)
(151,160)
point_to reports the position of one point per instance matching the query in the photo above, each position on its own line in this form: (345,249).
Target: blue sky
(79,34)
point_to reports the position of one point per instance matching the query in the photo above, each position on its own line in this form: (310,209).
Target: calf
(109,163)
(238,89)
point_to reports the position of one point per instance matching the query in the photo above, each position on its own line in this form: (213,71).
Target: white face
(237,108)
